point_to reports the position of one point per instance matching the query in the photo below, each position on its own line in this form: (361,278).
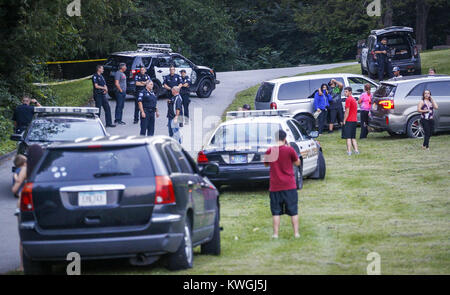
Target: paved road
(206,115)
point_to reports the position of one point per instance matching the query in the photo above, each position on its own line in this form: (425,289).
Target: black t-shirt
(23,115)
(100,81)
(336,95)
(148,99)
(171,110)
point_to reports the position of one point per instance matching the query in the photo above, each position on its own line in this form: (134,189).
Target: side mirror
(314,134)
(17,137)
(210,169)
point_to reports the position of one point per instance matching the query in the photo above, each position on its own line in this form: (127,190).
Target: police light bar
(66,110)
(261,113)
(153,45)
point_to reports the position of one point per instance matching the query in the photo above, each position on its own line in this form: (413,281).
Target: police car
(157,59)
(238,147)
(59,124)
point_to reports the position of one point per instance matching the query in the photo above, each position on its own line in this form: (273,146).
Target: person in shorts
(283,185)
(350,121)
(335,111)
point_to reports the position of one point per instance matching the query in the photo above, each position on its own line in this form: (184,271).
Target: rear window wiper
(108,174)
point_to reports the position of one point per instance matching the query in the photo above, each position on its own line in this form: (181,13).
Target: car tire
(414,128)
(213,247)
(183,258)
(321,168)
(205,88)
(31,267)
(299,177)
(306,121)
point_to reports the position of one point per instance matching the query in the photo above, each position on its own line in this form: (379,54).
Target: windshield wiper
(108,174)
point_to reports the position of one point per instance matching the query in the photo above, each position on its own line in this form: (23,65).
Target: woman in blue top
(322,100)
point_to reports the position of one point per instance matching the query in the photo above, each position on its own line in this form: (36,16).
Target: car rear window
(294,90)
(62,129)
(88,164)
(264,93)
(385,90)
(115,60)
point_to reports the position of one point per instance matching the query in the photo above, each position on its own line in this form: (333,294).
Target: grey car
(394,107)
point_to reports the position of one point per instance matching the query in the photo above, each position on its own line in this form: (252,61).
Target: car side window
(441,88)
(181,160)
(295,132)
(163,62)
(146,61)
(302,130)
(357,84)
(180,62)
(294,90)
(417,91)
(191,161)
(171,160)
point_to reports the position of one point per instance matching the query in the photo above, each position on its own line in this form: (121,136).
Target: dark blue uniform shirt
(172,81)
(141,78)
(100,81)
(148,99)
(185,90)
(381,47)
(23,115)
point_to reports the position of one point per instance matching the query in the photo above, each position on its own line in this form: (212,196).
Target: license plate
(238,159)
(87,199)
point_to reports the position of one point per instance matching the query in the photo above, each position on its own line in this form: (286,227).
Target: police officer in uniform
(100,90)
(141,81)
(147,105)
(185,92)
(384,64)
(172,80)
(23,114)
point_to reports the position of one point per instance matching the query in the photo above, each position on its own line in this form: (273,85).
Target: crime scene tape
(73,61)
(62,82)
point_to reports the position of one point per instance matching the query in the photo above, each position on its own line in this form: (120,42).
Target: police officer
(185,92)
(384,64)
(23,114)
(100,90)
(141,81)
(172,80)
(147,105)
(174,109)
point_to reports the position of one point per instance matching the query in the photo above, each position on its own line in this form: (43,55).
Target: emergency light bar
(261,113)
(65,110)
(154,47)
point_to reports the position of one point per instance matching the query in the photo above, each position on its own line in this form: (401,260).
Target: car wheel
(306,121)
(204,89)
(213,247)
(184,256)
(321,168)
(31,267)
(299,177)
(414,128)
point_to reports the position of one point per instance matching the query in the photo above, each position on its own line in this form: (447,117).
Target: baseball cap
(395,69)
(246,107)
(183,71)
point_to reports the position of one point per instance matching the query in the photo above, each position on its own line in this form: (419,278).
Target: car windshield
(62,129)
(101,164)
(245,135)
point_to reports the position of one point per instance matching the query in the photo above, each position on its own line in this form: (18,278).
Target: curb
(7,155)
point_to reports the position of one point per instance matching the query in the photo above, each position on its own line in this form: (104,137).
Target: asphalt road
(206,114)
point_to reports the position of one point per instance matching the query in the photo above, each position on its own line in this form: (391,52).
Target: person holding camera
(426,109)
(335,110)
(23,114)
(321,103)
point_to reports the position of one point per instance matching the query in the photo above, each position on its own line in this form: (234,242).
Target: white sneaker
(349,153)
(297,236)
(274,236)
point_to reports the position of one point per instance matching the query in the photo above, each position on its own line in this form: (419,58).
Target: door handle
(159,71)
(190,184)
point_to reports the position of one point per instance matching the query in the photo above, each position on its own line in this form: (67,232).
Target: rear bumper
(237,174)
(395,124)
(150,242)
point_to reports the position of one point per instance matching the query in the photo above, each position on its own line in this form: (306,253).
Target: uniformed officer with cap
(185,92)
(100,90)
(141,81)
(147,105)
(23,114)
(172,80)
(384,64)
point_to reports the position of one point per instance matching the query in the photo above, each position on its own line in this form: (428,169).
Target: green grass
(76,93)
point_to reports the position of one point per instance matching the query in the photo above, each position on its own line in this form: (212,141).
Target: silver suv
(394,107)
(296,94)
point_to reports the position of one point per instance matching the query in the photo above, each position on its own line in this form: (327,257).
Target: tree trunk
(422,10)
(387,17)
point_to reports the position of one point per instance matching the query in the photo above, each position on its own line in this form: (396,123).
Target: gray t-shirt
(122,80)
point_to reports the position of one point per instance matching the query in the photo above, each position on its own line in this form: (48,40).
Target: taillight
(26,198)
(133,73)
(202,158)
(387,120)
(273,106)
(387,104)
(164,191)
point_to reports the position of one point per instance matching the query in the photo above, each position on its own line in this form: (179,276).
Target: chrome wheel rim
(187,244)
(417,129)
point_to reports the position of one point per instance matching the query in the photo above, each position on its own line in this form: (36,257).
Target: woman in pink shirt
(365,102)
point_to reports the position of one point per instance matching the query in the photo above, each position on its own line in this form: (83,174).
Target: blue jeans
(120,103)
(174,131)
(148,123)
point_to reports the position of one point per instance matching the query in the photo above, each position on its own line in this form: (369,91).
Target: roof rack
(66,110)
(163,48)
(261,113)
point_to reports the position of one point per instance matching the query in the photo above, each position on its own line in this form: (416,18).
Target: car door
(440,92)
(181,63)
(304,147)
(364,53)
(162,68)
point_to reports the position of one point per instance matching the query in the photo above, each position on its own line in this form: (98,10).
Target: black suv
(118,197)
(158,58)
(403,51)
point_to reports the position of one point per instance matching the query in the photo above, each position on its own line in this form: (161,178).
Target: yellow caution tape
(73,61)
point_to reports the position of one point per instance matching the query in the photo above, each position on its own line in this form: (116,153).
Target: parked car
(395,103)
(403,51)
(158,58)
(238,147)
(296,94)
(59,124)
(118,197)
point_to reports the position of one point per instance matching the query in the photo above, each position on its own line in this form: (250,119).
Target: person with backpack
(174,109)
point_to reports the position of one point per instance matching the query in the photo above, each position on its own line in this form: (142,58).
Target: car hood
(203,68)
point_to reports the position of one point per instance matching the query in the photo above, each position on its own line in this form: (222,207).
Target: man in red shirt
(350,121)
(283,185)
